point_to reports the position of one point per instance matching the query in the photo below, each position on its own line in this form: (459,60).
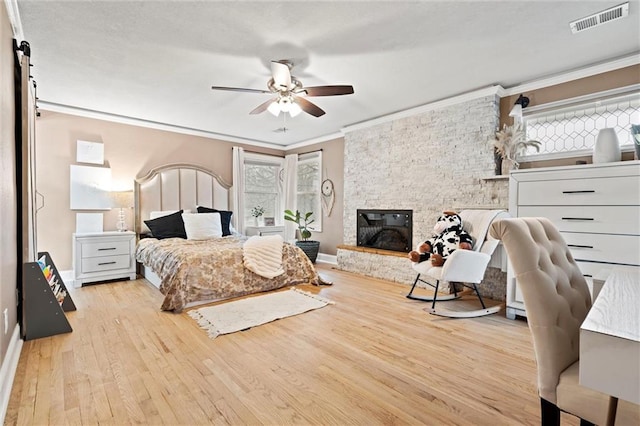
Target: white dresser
(264,230)
(103,256)
(596,207)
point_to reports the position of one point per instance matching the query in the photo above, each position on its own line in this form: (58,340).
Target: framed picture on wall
(269,221)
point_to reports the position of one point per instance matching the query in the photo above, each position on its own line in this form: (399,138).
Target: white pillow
(160,213)
(202,226)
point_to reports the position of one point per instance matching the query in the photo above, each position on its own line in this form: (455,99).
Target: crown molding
(588,71)
(443,103)
(319,139)
(14,19)
(115,118)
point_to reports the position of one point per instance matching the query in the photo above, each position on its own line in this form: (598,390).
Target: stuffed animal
(448,237)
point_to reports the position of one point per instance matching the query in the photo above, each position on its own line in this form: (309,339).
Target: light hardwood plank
(373,358)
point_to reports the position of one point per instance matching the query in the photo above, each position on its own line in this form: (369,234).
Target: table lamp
(122,200)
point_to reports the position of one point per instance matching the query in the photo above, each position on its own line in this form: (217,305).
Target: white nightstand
(264,230)
(103,256)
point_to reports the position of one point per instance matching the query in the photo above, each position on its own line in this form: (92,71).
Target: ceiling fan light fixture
(294,109)
(274,108)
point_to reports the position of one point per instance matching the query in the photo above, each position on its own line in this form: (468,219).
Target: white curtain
(237,190)
(290,193)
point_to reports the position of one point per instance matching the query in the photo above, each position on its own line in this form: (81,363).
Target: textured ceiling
(156,60)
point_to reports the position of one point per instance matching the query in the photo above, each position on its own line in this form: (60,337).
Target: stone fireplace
(435,159)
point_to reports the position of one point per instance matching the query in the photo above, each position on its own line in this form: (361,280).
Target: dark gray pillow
(225,218)
(170,226)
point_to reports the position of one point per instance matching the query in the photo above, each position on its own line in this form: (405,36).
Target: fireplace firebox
(385,229)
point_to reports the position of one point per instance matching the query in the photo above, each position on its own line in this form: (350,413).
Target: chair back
(556,295)
(477,222)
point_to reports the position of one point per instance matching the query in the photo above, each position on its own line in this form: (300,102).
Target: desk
(610,339)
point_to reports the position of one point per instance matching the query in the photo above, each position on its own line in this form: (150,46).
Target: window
(309,182)
(570,128)
(261,186)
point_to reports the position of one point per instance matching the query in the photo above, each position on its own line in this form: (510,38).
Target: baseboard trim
(327,258)
(8,371)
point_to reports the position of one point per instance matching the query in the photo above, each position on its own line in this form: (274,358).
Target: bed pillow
(202,226)
(225,217)
(168,226)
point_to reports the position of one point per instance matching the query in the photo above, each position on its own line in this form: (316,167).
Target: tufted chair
(557,301)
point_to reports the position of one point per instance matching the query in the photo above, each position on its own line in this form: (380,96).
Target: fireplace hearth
(385,229)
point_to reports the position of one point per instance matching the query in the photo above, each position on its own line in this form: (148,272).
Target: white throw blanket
(263,255)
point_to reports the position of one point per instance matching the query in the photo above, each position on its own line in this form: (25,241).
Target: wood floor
(373,358)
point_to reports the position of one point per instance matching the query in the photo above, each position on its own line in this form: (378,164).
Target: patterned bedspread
(194,271)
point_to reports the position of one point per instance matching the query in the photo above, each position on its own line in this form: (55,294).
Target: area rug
(243,314)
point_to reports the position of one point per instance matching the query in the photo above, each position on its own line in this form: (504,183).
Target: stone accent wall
(428,163)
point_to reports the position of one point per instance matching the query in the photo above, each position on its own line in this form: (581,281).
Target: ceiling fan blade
(328,90)
(309,107)
(281,75)
(239,89)
(262,107)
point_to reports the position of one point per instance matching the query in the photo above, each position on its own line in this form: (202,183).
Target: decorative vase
(607,148)
(635,136)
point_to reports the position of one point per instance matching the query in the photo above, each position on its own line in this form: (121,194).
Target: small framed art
(269,221)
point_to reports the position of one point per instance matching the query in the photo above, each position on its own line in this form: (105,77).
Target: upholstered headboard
(178,186)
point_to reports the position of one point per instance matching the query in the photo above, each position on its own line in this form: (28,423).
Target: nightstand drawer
(106,263)
(105,248)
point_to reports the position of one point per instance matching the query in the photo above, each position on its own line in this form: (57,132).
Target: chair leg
(549,413)
(475,288)
(413,287)
(435,295)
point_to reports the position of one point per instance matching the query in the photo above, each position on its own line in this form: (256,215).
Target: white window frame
(307,158)
(251,158)
(580,103)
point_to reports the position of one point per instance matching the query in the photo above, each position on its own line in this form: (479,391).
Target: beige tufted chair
(557,300)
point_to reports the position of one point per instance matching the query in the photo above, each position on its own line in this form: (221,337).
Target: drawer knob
(587,191)
(577,218)
(107,248)
(106,263)
(579,246)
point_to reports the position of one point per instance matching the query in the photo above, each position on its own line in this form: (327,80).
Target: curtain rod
(256,152)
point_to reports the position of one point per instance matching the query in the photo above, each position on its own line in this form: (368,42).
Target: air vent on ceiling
(608,15)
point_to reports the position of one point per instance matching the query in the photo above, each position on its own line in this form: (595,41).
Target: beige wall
(129,150)
(132,151)
(8,201)
(332,233)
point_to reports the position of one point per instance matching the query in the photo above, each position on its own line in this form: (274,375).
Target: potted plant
(310,247)
(509,144)
(257,212)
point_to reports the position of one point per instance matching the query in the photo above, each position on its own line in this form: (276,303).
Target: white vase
(607,148)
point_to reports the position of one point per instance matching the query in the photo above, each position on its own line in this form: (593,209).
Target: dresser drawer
(621,190)
(106,263)
(604,247)
(600,219)
(105,248)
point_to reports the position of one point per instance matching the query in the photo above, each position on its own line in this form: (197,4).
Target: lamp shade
(516,111)
(122,199)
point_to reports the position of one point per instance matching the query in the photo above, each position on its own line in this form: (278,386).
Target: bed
(190,272)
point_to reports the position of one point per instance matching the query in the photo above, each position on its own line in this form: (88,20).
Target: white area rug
(242,314)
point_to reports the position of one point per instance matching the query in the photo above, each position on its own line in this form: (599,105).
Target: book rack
(46,299)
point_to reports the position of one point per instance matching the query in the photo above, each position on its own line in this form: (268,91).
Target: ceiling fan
(289,92)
